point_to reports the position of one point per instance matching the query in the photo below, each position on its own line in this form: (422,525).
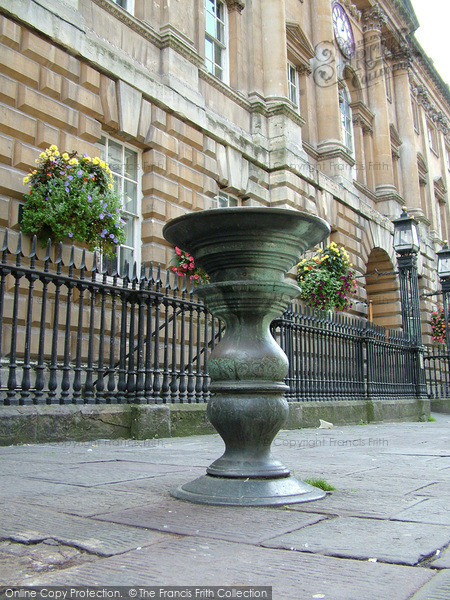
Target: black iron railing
(437,366)
(78,333)
(337,357)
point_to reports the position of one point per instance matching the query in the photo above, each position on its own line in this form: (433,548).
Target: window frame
(416,116)
(223,200)
(293,85)
(433,140)
(346,118)
(222,45)
(137,216)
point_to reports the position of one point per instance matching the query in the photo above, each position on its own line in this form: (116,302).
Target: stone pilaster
(325,78)
(274,50)
(402,60)
(373,20)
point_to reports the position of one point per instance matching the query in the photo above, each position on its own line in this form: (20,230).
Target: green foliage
(431,419)
(73,196)
(321,484)
(327,279)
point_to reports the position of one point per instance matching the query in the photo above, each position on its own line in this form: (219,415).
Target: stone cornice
(396,141)
(310,150)
(299,46)
(422,96)
(223,87)
(337,152)
(128,19)
(440,191)
(362,115)
(170,37)
(269,107)
(373,18)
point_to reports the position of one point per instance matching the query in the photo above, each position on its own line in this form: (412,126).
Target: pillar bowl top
(246,243)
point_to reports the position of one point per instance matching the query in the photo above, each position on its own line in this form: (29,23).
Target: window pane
(130,164)
(115,157)
(118,181)
(218,55)
(129,230)
(102,147)
(130,197)
(126,254)
(209,50)
(210,24)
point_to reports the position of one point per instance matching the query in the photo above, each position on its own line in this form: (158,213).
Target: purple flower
(84,154)
(103,233)
(89,197)
(70,234)
(109,215)
(101,216)
(105,206)
(70,177)
(117,210)
(79,173)
(111,235)
(115,240)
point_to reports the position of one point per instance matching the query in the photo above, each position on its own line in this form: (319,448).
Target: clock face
(343,31)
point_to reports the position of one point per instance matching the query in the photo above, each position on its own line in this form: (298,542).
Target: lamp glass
(406,235)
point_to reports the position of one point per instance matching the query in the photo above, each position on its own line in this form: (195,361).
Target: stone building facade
(323,106)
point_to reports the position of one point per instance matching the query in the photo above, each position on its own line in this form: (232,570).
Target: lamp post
(443,269)
(406,245)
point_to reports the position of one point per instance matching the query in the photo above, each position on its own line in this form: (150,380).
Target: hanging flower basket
(438,326)
(184,264)
(327,280)
(73,196)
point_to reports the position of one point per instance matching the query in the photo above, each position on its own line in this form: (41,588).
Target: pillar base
(247,492)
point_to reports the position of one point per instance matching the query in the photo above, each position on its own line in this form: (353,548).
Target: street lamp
(406,234)
(443,269)
(406,245)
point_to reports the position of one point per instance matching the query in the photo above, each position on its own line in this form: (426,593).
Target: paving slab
(19,562)
(387,541)
(86,502)
(248,525)
(437,589)
(431,510)
(31,524)
(98,473)
(294,576)
(360,503)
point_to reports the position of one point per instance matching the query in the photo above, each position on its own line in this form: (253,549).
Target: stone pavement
(100,513)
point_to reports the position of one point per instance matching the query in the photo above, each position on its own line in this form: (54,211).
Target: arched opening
(383,295)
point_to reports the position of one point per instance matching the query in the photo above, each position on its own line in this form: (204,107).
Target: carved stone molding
(396,141)
(440,191)
(352,9)
(423,169)
(373,18)
(402,57)
(362,116)
(238,5)
(299,47)
(433,112)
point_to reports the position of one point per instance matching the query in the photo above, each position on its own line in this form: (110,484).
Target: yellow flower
(56,153)
(65,156)
(25,180)
(36,160)
(95,160)
(73,161)
(53,148)
(110,185)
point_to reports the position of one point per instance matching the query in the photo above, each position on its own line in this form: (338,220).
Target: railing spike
(33,248)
